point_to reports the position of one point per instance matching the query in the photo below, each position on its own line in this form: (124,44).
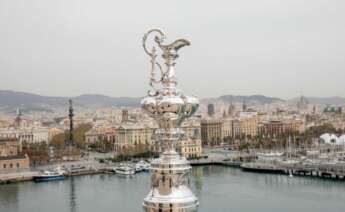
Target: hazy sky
(278,48)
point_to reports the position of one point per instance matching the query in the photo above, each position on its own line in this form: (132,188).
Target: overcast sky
(277,48)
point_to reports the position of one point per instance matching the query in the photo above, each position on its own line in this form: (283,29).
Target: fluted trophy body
(165,103)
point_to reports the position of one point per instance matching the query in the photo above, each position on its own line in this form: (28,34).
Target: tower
(18,118)
(231,110)
(244,106)
(70,141)
(210,109)
(224,114)
(124,115)
(169,107)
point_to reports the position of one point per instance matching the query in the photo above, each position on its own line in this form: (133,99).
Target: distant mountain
(102,100)
(13,99)
(253,98)
(10,100)
(335,100)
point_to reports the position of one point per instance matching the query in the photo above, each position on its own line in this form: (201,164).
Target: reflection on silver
(169,107)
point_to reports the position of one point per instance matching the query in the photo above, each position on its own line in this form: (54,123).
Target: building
(231,110)
(271,128)
(302,104)
(211,132)
(10,159)
(29,135)
(210,109)
(226,130)
(292,126)
(98,134)
(275,128)
(9,147)
(190,148)
(39,135)
(132,135)
(236,128)
(216,131)
(125,116)
(244,106)
(249,126)
(190,144)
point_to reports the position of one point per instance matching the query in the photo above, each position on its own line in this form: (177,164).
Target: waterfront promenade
(217,156)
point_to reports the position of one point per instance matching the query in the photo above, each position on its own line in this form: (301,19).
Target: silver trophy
(165,103)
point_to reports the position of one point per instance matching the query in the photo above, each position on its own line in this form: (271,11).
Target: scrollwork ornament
(153,55)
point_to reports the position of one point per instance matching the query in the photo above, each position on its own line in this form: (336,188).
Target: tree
(59,140)
(244,146)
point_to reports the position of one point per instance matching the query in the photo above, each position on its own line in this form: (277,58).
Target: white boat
(124,170)
(270,154)
(138,168)
(142,166)
(50,175)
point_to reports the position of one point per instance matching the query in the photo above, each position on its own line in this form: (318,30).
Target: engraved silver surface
(169,107)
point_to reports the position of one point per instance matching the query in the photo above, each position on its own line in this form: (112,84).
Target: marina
(219,188)
(307,168)
(60,173)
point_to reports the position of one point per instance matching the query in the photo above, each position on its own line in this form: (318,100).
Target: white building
(29,135)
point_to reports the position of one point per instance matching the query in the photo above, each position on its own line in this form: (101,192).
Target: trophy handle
(153,55)
(146,35)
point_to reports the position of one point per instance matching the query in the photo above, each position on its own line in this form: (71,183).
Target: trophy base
(170,191)
(180,200)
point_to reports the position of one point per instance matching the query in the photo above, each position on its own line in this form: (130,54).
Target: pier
(333,171)
(320,170)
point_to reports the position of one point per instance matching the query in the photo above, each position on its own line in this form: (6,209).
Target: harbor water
(219,189)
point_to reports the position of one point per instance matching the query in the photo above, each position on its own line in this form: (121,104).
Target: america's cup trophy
(170,190)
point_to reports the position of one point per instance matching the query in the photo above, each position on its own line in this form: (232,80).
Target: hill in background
(10,100)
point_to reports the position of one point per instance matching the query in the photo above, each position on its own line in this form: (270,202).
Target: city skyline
(172,106)
(206,98)
(279,49)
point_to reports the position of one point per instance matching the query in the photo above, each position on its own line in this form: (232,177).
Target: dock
(14,177)
(322,170)
(208,162)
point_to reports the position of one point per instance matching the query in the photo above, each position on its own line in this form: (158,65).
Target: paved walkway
(17,176)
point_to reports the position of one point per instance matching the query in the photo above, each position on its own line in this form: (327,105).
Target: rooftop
(12,157)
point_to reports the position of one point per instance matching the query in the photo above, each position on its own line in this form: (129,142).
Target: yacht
(124,170)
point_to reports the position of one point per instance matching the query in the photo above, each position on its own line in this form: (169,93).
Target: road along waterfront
(219,189)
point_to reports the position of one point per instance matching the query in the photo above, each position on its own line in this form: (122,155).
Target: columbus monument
(169,107)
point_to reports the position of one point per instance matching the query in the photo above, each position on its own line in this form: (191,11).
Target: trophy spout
(170,50)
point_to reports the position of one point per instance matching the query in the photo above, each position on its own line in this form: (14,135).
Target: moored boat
(262,167)
(48,175)
(124,170)
(142,166)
